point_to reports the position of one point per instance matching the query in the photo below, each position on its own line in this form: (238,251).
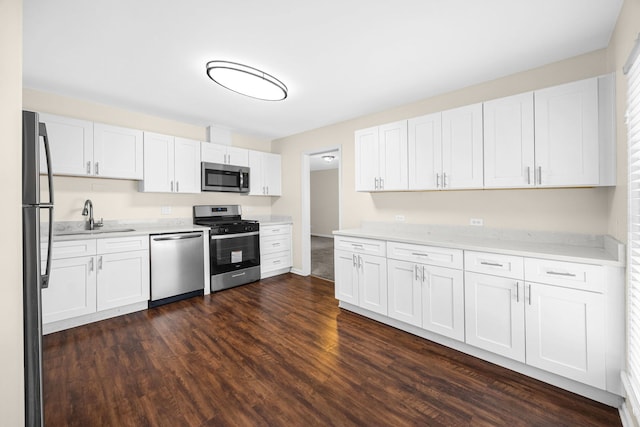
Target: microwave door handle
(241,180)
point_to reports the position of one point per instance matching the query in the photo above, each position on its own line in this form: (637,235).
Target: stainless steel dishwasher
(177,267)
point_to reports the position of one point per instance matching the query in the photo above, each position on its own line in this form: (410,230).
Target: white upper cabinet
(566,128)
(171,165)
(462,147)
(509,142)
(265,174)
(425,152)
(71,143)
(224,154)
(83,148)
(445,150)
(381,157)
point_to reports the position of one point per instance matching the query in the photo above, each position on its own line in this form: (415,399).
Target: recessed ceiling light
(246,80)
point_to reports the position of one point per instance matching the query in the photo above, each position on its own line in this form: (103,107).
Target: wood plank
(280,352)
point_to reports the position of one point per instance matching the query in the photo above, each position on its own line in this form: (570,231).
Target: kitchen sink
(90,232)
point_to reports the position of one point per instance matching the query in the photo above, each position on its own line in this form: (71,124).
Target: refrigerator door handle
(42,128)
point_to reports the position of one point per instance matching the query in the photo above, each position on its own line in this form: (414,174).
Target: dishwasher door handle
(178,237)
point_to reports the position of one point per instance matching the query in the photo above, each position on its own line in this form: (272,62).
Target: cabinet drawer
(69,249)
(274,230)
(269,245)
(431,255)
(123,244)
(568,274)
(495,264)
(275,261)
(365,246)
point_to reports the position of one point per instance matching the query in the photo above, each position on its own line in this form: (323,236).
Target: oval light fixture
(246,80)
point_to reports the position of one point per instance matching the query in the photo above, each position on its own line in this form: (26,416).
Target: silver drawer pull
(276,244)
(419,254)
(491,264)
(277,261)
(557,273)
(357,245)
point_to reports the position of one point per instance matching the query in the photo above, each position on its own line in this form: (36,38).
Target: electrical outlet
(165,210)
(476,221)
(400,218)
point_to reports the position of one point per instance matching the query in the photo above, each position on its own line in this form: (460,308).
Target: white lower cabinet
(494,312)
(561,318)
(275,250)
(427,296)
(361,279)
(92,276)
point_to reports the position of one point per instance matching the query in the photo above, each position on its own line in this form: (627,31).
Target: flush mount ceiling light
(328,158)
(246,80)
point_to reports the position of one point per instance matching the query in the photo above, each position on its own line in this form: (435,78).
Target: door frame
(306,202)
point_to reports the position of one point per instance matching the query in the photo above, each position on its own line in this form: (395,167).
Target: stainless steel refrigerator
(34,280)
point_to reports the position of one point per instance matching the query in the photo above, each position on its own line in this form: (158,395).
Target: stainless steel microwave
(227,178)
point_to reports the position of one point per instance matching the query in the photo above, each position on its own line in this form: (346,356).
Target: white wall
(11,355)
(120,199)
(324,202)
(575,210)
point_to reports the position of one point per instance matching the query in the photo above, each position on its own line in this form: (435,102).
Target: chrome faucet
(88,210)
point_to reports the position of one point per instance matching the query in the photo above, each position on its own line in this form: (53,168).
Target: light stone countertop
(573,247)
(270,219)
(140,227)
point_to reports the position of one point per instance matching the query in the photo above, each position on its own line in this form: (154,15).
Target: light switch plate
(165,210)
(476,221)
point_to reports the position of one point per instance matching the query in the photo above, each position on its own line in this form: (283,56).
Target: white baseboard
(298,272)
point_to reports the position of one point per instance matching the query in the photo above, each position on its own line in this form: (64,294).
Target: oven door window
(234,253)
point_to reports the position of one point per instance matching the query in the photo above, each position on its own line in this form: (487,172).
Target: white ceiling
(340,59)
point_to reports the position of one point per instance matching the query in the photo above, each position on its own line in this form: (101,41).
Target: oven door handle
(232,236)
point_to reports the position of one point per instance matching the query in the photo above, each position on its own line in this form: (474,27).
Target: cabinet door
(372,283)
(346,280)
(443,301)
(272,174)
(494,313)
(508,142)
(187,165)
(462,148)
(117,152)
(213,153)
(158,163)
(123,278)
(566,128)
(256,174)
(393,156)
(425,152)
(71,291)
(238,156)
(565,333)
(367,159)
(404,289)
(71,143)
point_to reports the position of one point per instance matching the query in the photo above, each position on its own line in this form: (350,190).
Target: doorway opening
(321,209)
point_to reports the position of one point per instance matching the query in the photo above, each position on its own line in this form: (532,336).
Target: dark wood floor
(281,353)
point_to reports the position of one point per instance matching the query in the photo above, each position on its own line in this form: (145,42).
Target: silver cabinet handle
(558,273)
(528,175)
(424,276)
(100,263)
(491,264)
(419,254)
(529,294)
(88,168)
(276,244)
(437,180)
(177,186)
(97,168)
(417,272)
(91,264)
(267,187)
(517,291)
(444,180)
(359,261)
(355,261)
(357,246)
(277,261)
(172,186)
(178,237)
(375,183)
(540,175)
(381,184)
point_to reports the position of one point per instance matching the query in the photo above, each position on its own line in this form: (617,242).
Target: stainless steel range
(234,247)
